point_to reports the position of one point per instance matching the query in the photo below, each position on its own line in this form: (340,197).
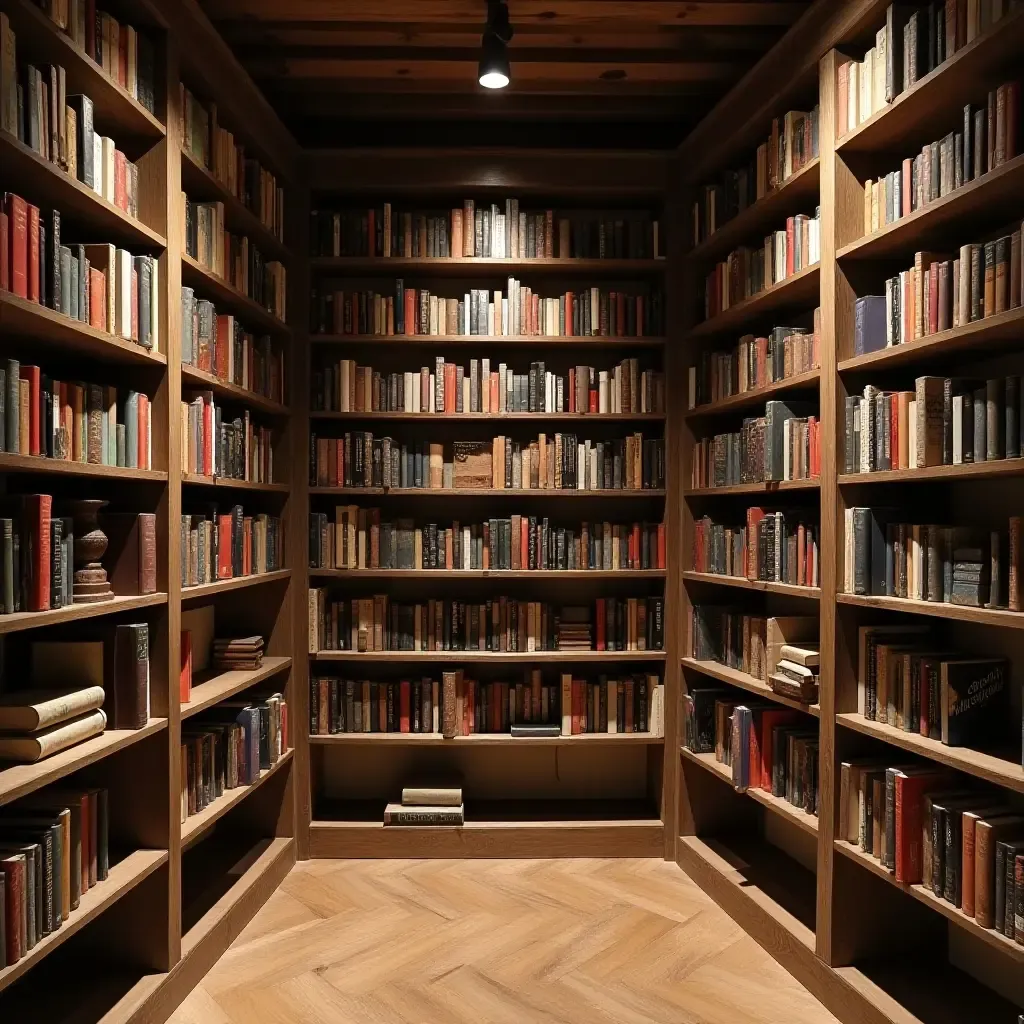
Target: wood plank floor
(495,942)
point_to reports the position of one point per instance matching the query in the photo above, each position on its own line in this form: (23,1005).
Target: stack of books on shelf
(559,461)
(54,847)
(427,806)
(73,421)
(358,539)
(797,672)
(212,445)
(929,562)
(100,285)
(784,444)
(927,826)
(749,271)
(451,388)
(485,230)
(773,545)
(519,312)
(943,422)
(223,546)
(755,362)
(244,653)
(498,624)
(36,723)
(792,144)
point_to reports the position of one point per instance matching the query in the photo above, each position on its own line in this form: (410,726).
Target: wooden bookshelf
(541,575)
(193,377)
(491,341)
(754,397)
(77,612)
(936,609)
(230,484)
(491,657)
(600,739)
(258,579)
(766,487)
(999,468)
(215,686)
(477,266)
(491,417)
(66,467)
(228,299)
(734,677)
(448,493)
(764,586)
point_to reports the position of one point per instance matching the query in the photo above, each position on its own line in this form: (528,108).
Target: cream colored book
(436,796)
(32,710)
(37,746)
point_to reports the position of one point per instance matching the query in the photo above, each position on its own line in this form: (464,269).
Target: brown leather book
(131,552)
(989,306)
(129,681)
(987,832)
(449,723)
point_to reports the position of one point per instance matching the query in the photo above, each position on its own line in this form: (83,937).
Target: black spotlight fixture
(494,70)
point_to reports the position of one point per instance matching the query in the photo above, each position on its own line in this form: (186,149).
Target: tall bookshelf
(870,948)
(177,892)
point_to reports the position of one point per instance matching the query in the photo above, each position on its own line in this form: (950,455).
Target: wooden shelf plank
(491,657)
(967,471)
(487,574)
(21,779)
(448,493)
(197,825)
(37,323)
(629,739)
(476,266)
(227,483)
(799,190)
(734,677)
(767,586)
(486,417)
(72,613)
(64,467)
(225,295)
(807,381)
(934,609)
(807,822)
(235,583)
(490,340)
(122,878)
(192,376)
(924,895)
(217,686)
(765,487)
(1000,771)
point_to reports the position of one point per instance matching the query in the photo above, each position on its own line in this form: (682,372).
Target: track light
(494,72)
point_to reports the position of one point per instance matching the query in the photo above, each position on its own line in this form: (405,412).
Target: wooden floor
(495,942)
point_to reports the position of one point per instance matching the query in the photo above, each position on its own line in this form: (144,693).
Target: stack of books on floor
(796,675)
(241,653)
(427,805)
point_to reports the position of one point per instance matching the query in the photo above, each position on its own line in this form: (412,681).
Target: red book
(17,230)
(910,792)
(37,514)
(31,374)
(33,253)
(412,322)
(224,547)
(570,312)
(906,189)
(770,718)
(933,298)
(577,705)
(97,299)
(790,245)
(5,252)
(185,679)
(206,464)
(593,400)
(754,517)
(225,339)
(450,379)
(247,566)
(12,866)
(524,542)
(403,705)
(599,614)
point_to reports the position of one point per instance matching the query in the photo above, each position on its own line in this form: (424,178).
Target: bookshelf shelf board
(924,111)
(235,583)
(796,191)
(226,483)
(448,493)
(492,657)
(801,289)
(807,822)
(766,487)
(1001,771)
(734,677)
(21,779)
(491,340)
(115,110)
(768,586)
(489,574)
(493,417)
(934,609)
(925,895)
(121,878)
(1003,330)
(193,377)
(194,827)
(224,294)
(199,183)
(636,739)
(64,467)
(966,471)
(47,185)
(470,266)
(215,686)
(807,381)
(993,190)
(72,613)
(19,317)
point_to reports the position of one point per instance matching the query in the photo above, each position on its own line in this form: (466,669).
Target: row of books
(215,148)
(755,362)
(229,746)
(224,546)
(519,312)
(928,827)
(792,143)
(100,285)
(941,292)
(485,230)
(448,387)
(949,163)
(73,421)
(926,562)
(774,545)
(38,557)
(358,539)
(212,445)
(784,444)
(747,271)
(499,624)
(561,461)
(217,343)
(943,421)
(54,848)
(233,258)
(768,748)
(458,706)
(914,41)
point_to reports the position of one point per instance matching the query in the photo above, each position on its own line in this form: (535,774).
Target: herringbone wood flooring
(495,942)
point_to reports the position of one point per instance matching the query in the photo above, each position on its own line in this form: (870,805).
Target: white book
(504,317)
(853,94)
(865,76)
(878,84)
(123,301)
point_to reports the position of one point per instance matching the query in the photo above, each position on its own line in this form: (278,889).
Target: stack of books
(574,630)
(36,723)
(796,675)
(245,653)
(427,805)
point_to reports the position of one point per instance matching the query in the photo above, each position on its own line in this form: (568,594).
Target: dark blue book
(869,324)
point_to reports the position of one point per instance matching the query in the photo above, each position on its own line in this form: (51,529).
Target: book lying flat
(397,814)
(35,747)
